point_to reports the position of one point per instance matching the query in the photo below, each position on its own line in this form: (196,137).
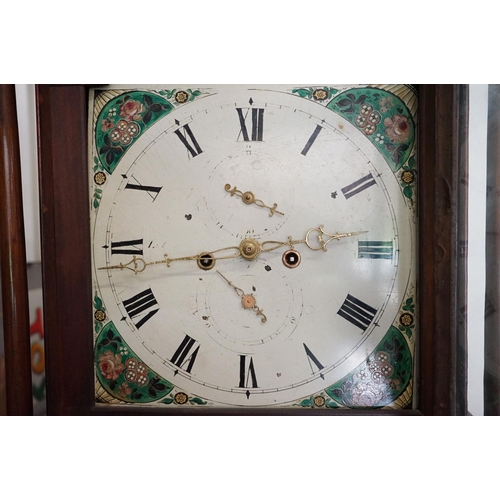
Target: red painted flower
(110,365)
(131,110)
(398,128)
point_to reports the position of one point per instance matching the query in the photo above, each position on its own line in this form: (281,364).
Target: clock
(254,246)
(240,249)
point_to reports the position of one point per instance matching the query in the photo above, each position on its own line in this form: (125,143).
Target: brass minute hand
(248,249)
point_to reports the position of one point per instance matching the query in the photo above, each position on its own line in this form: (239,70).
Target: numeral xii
(257,124)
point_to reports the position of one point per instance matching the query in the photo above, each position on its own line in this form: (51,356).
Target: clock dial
(254,246)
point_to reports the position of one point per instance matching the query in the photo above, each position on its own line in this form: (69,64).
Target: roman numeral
(188,139)
(311,140)
(140,303)
(186,353)
(358,186)
(130,247)
(151,190)
(357,312)
(247,375)
(375,249)
(312,359)
(257,123)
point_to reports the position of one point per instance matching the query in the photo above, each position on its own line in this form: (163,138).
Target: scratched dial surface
(168,197)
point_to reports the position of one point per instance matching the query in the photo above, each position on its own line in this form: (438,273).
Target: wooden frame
(62,128)
(13,262)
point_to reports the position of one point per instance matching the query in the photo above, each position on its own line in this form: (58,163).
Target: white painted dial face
(170,195)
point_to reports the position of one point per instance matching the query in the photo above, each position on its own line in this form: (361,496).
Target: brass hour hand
(247,300)
(248,198)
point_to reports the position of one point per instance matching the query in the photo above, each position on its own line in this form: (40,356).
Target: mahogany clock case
(62,114)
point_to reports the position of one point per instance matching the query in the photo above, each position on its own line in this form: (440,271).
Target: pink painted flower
(386,103)
(131,110)
(110,365)
(398,128)
(124,390)
(107,125)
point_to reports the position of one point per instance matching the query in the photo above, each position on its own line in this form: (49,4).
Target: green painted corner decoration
(124,378)
(122,120)
(121,374)
(381,379)
(125,117)
(384,119)
(386,116)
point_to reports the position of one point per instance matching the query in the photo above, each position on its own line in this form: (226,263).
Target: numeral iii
(357,312)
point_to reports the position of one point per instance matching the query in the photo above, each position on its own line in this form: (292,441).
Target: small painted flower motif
(131,364)
(380,139)
(181,398)
(131,110)
(320,95)
(107,125)
(124,390)
(398,128)
(368,119)
(408,177)
(378,377)
(319,401)
(374,366)
(386,370)
(181,97)
(386,103)
(363,375)
(124,132)
(123,351)
(366,109)
(100,178)
(395,384)
(382,356)
(370,129)
(361,121)
(115,135)
(406,319)
(100,315)
(110,365)
(142,380)
(112,112)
